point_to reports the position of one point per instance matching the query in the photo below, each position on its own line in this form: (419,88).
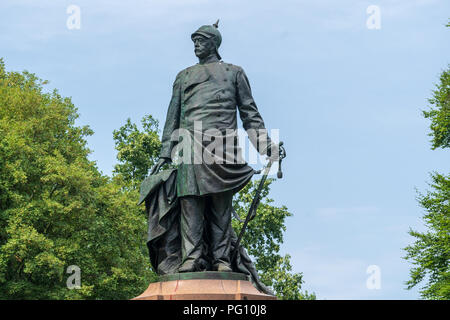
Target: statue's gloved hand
(159,164)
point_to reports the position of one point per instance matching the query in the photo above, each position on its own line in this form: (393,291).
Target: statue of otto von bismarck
(190,206)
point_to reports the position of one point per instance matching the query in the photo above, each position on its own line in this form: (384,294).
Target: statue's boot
(222,267)
(188,266)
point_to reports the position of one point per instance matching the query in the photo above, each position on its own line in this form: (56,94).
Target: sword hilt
(279,173)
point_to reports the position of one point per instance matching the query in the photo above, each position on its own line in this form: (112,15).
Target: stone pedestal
(207,285)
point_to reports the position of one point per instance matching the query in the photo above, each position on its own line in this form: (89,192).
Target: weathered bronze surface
(204,275)
(190,207)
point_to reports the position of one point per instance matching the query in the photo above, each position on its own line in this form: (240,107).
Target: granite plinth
(208,285)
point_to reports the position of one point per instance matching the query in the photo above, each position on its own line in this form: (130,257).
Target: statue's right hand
(158,165)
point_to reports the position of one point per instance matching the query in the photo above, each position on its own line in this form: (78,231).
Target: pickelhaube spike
(216,25)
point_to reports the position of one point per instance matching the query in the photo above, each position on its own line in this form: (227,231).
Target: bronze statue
(190,206)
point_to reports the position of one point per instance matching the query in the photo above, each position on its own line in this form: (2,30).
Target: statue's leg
(219,229)
(191,228)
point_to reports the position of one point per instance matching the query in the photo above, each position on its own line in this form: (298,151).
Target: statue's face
(203,46)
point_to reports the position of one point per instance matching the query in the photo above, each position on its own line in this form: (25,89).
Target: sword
(255,202)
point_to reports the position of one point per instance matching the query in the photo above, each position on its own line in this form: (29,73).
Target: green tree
(430,253)
(439,113)
(264,235)
(56,209)
(137,150)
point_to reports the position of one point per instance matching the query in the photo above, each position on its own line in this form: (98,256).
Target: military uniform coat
(210,94)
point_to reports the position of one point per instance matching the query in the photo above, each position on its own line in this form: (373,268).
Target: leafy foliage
(56,209)
(439,113)
(430,253)
(137,151)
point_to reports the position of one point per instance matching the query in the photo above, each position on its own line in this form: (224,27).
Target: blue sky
(347,101)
